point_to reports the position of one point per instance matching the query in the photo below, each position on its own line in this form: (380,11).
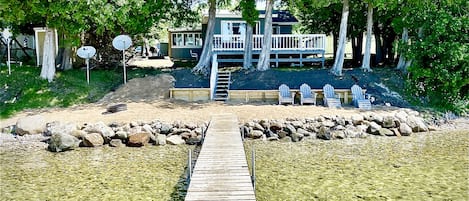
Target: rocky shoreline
(60,136)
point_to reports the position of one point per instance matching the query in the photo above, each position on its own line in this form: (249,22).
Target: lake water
(431,166)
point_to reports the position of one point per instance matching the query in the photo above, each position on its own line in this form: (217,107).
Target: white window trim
(256,28)
(183,38)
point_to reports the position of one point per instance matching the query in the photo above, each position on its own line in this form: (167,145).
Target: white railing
(213,76)
(279,42)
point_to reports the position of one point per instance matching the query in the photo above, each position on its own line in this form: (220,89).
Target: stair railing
(213,76)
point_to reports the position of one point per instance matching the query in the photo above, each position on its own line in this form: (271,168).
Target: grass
(24,89)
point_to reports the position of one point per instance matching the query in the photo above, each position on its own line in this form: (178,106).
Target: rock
(388,122)
(376,118)
(357,119)
(339,127)
(385,132)
(373,128)
(276,126)
(405,129)
(190,126)
(396,132)
(138,140)
(30,125)
(289,129)
(175,140)
(286,139)
(255,134)
(78,134)
(340,121)
(282,134)
(401,116)
(122,135)
(303,132)
(296,137)
(257,126)
(324,133)
(194,140)
(417,124)
(338,134)
(179,131)
(185,135)
(116,108)
(59,127)
(273,138)
(328,123)
(93,140)
(106,131)
(116,143)
(160,139)
(352,132)
(147,128)
(297,124)
(62,142)
(431,128)
(152,138)
(245,131)
(165,129)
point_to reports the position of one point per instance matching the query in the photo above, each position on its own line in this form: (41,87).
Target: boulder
(286,139)
(138,140)
(282,134)
(376,118)
(338,134)
(385,132)
(255,134)
(272,138)
(116,143)
(324,133)
(373,128)
(122,135)
(30,125)
(62,142)
(341,121)
(194,140)
(401,116)
(106,131)
(417,124)
(275,126)
(257,126)
(357,119)
(405,129)
(296,137)
(160,139)
(303,132)
(179,131)
(396,132)
(352,132)
(78,134)
(339,127)
(297,124)
(165,129)
(389,122)
(289,129)
(328,123)
(93,140)
(147,128)
(59,127)
(185,135)
(190,125)
(175,140)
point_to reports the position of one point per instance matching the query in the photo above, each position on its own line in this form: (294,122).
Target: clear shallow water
(147,173)
(421,167)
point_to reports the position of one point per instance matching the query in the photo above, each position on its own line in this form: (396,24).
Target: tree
(264,58)
(369,24)
(203,65)
(340,53)
(250,15)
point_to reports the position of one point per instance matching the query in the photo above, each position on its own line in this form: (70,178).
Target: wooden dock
(221,171)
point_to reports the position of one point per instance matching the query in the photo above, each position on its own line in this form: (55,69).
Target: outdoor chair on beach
(284,95)
(331,99)
(307,96)
(359,99)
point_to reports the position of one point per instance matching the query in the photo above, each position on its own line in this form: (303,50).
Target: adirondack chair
(331,99)
(307,96)
(284,95)
(359,99)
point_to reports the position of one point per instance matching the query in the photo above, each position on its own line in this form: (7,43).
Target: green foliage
(24,89)
(440,58)
(249,12)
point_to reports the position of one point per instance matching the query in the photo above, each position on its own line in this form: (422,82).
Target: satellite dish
(86,52)
(122,42)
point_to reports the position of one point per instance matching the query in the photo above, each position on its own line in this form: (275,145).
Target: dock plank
(221,171)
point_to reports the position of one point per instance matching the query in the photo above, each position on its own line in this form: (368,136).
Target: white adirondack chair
(359,99)
(284,95)
(307,96)
(331,99)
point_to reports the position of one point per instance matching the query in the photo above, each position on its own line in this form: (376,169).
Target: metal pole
(123,61)
(253,168)
(189,165)
(8,62)
(88,69)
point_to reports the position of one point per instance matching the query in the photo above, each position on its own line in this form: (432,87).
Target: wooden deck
(221,171)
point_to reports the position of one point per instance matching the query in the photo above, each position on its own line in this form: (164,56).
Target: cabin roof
(278,16)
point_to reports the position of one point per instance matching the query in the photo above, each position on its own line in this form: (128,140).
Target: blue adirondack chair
(359,99)
(331,99)
(307,96)
(284,95)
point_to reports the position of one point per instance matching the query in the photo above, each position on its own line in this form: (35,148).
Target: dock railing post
(253,168)
(189,166)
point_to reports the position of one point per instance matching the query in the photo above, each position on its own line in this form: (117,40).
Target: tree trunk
(369,25)
(379,47)
(146,48)
(334,43)
(247,62)
(340,53)
(402,64)
(264,58)
(48,58)
(357,48)
(203,65)
(64,60)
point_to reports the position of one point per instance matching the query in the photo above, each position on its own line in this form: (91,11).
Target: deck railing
(279,42)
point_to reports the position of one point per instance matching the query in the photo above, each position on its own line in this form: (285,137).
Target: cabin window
(187,40)
(236,28)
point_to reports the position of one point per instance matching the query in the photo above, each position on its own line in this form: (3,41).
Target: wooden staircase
(222,86)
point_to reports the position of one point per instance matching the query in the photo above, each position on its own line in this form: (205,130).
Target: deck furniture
(331,99)
(307,96)
(284,95)
(359,99)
